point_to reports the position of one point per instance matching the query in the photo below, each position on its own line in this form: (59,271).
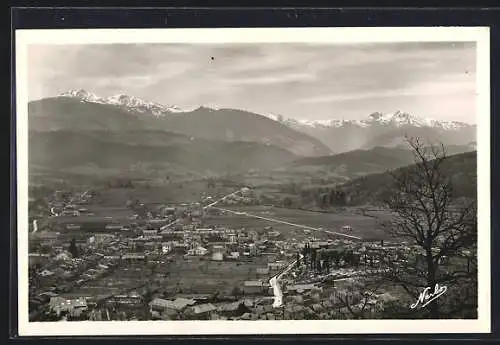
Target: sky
(301,81)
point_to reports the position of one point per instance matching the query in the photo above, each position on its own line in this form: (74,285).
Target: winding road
(274,282)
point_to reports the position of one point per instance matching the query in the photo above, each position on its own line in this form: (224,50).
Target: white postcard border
(480,35)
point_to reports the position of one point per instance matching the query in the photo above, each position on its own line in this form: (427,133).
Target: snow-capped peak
(396,119)
(81,94)
(130,103)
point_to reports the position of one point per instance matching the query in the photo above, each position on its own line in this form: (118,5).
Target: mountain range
(79,129)
(380,129)
(335,135)
(83,111)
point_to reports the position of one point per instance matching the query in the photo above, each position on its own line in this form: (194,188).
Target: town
(174,262)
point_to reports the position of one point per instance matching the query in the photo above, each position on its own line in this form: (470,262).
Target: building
(70,212)
(114,227)
(204,311)
(262,271)
(130,299)
(147,234)
(38,259)
(275,266)
(217,256)
(100,239)
(74,307)
(133,257)
(300,288)
(232,238)
(169,307)
(73,226)
(346,228)
(252,249)
(234,256)
(253,235)
(198,251)
(251,287)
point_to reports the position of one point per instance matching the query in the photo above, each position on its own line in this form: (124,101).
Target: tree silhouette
(439,225)
(73,249)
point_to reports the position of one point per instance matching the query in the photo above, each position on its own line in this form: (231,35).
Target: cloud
(314,80)
(273,79)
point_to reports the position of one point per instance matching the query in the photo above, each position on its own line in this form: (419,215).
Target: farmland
(182,275)
(365,226)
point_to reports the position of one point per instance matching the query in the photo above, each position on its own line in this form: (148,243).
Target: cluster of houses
(180,232)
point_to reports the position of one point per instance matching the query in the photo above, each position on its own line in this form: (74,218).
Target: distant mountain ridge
(397,119)
(374,188)
(130,103)
(83,111)
(388,130)
(357,163)
(302,137)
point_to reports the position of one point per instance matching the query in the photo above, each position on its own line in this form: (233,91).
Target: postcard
(253,181)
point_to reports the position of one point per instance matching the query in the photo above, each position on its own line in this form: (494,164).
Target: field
(191,191)
(180,276)
(195,275)
(366,227)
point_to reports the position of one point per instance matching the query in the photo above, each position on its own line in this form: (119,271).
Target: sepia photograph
(223,181)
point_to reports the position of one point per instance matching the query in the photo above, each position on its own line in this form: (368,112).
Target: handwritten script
(427,296)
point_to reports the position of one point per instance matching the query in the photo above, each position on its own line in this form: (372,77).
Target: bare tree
(356,304)
(433,221)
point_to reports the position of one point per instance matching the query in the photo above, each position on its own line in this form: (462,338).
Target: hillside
(71,113)
(374,188)
(355,163)
(144,151)
(232,124)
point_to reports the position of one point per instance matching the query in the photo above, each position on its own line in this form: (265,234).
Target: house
(46,273)
(254,287)
(130,299)
(114,227)
(273,234)
(70,212)
(147,234)
(168,211)
(199,251)
(133,257)
(217,256)
(73,226)
(274,266)
(63,256)
(300,288)
(37,258)
(73,307)
(204,311)
(233,238)
(252,249)
(232,309)
(218,248)
(100,239)
(263,271)
(234,256)
(169,307)
(254,235)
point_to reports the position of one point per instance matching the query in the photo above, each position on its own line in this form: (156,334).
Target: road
(166,226)
(288,223)
(274,282)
